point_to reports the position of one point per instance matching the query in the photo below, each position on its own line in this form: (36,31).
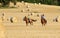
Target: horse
(43,21)
(28,20)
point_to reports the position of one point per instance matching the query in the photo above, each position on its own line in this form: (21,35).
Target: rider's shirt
(43,17)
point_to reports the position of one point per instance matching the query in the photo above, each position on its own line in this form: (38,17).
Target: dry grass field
(19,29)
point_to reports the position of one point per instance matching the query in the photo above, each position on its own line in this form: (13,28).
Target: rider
(42,16)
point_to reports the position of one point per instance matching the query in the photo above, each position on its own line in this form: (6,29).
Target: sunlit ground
(19,29)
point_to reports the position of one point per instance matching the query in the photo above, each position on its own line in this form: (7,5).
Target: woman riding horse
(43,20)
(28,20)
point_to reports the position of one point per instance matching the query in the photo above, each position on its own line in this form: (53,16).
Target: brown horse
(27,20)
(43,20)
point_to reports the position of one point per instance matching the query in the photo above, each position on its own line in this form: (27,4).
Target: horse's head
(24,19)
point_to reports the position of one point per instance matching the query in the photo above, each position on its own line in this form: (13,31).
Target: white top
(43,17)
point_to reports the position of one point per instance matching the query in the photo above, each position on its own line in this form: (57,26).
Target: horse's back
(43,21)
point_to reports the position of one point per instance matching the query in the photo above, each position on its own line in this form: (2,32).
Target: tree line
(7,2)
(49,2)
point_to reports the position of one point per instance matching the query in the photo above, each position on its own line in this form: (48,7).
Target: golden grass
(19,28)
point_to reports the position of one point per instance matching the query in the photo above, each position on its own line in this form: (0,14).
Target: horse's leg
(31,23)
(44,24)
(26,23)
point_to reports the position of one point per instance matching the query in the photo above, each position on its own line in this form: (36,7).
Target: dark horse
(28,20)
(43,20)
